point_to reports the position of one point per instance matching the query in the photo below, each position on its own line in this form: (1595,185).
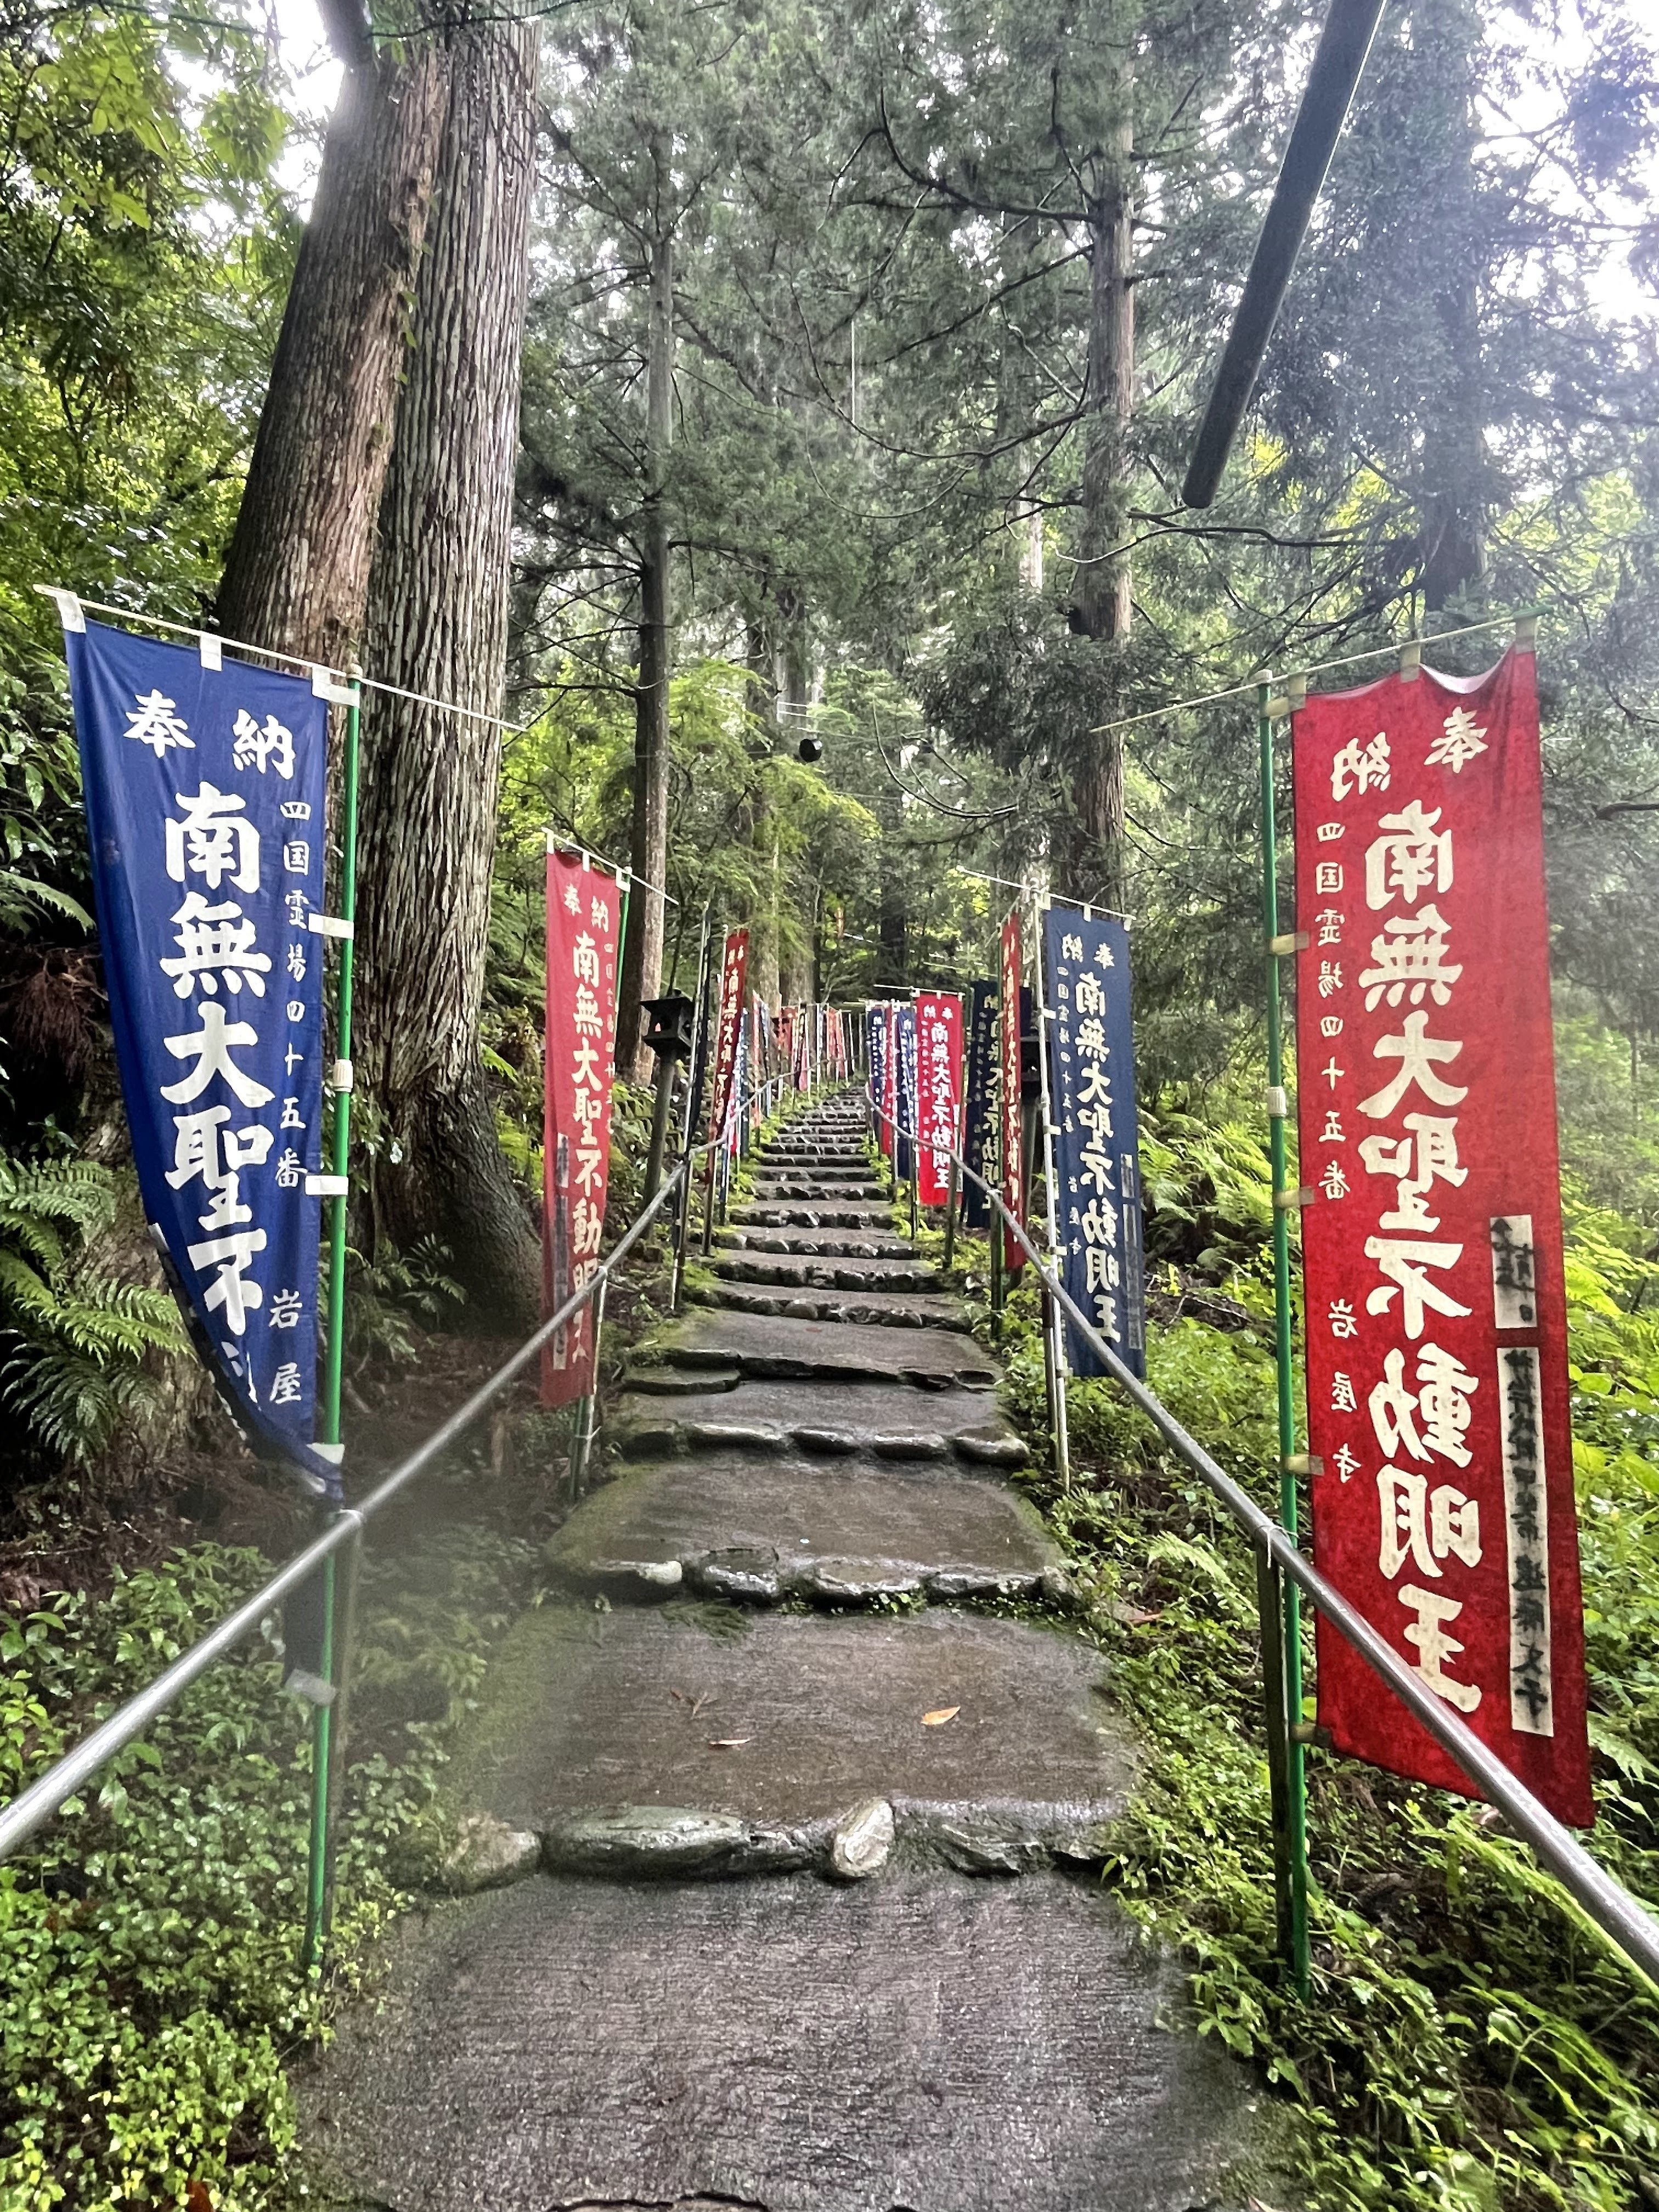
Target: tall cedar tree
(296,576)
(437,625)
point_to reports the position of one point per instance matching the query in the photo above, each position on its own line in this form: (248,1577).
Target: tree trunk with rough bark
(297,575)
(1103,609)
(1457,467)
(759,829)
(437,624)
(648,848)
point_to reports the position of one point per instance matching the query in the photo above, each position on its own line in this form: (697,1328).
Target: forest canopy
(826,372)
(744,439)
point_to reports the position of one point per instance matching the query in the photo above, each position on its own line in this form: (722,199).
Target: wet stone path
(782,1857)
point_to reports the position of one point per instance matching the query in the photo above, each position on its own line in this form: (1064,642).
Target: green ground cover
(153,1997)
(1472,2042)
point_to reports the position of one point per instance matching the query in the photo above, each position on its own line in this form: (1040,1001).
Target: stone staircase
(780,1829)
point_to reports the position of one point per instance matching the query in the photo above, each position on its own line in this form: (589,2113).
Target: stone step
(679,1382)
(866,1308)
(928,2041)
(769,1193)
(761,1522)
(788,1350)
(777,1727)
(846,1243)
(836,1271)
(851,1149)
(881,1420)
(854,1166)
(777,1213)
(817,1180)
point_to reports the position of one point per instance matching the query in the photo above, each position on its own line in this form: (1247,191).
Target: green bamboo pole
(322,1725)
(1295,1764)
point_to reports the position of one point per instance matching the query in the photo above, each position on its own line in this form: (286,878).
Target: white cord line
(1319,668)
(558,842)
(346,676)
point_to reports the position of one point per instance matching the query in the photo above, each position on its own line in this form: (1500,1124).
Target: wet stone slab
(922,2042)
(813,1213)
(832,1271)
(871,1308)
(755,1522)
(779,1726)
(802,1351)
(848,1418)
(849,1243)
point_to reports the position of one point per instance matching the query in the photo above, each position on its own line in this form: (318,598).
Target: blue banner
(905,1111)
(875,1053)
(205,797)
(977,1131)
(1092,1096)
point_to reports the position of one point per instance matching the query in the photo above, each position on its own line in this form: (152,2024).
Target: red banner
(1014,1154)
(939,1064)
(733,975)
(1436,1310)
(789,1037)
(890,1072)
(584,909)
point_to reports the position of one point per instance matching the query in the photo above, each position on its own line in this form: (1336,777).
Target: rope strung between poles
(1319,668)
(69,605)
(1606,1902)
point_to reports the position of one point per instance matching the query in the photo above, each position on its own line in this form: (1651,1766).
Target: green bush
(72,1345)
(1472,2042)
(153,1993)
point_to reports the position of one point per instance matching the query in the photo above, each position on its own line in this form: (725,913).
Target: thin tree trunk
(438,625)
(761,828)
(1103,579)
(1455,466)
(642,967)
(1456,471)
(297,575)
(1104,606)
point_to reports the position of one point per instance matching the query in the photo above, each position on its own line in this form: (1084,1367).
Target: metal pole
(581,1437)
(322,1721)
(664,1098)
(345,1638)
(1296,1805)
(1270,1613)
(1052,1328)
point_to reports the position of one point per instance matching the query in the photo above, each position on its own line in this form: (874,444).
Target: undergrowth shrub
(1473,2043)
(72,1345)
(152,1993)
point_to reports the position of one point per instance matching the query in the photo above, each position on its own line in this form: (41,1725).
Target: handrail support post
(1296,1780)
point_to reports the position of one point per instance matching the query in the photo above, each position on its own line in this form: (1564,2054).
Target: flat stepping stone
(857,1415)
(834,1244)
(680,1382)
(778,1190)
(788,1727)
(834,1169)
(752,1517)
(829,1271)
(869,1308)
(793,1214)
(804,1351)
(923,2040)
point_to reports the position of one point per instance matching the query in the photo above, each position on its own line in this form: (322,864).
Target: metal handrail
(30,1810)
(1606,1901)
